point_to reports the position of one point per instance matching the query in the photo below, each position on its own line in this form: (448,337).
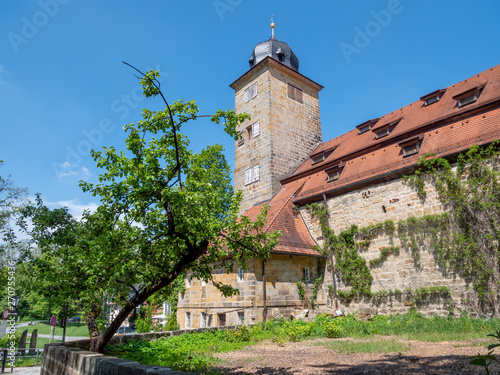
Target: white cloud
(75,207)
(67,170)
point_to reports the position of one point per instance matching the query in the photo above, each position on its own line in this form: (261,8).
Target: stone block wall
(73,358)
(289,130)
(282,274)
(393,200)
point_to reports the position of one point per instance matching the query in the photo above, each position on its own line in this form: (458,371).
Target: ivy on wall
(466,239)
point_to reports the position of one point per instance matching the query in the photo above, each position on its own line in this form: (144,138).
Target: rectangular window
(188,320)
(241,274)
(252,175)
(334,175)
(250,92)
(382,133)
(248,176)
(411,149)
(295,93)
(433,97)
(364,129)
(241,318)
(203,320)
(256,173)
(468,97)
(256,129)
(318,159)
(467,100)
(306,275)
(249,132)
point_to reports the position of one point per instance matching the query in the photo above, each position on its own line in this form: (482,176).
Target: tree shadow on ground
(391,364)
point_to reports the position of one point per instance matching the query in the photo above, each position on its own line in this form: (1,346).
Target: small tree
(164,210)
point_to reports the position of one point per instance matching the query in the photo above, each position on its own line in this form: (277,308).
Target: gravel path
(306,358)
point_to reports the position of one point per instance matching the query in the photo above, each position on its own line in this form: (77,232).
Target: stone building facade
(359,177)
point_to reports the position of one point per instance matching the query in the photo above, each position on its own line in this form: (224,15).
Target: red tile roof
(444,129)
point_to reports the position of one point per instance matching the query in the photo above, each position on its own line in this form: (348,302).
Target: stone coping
(73,358)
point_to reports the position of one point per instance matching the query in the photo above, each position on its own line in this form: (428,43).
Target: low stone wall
(73,358)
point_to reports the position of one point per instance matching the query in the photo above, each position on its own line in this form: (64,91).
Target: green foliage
(466,238)
(485,360)
(301,290)
(7,339)
(384,254)
(143,322)
(195,351)
(316,286)
(164,209)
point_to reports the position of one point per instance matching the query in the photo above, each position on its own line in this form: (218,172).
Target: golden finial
(272,26)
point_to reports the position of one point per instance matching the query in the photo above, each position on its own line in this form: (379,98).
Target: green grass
(365,346)
(73,329)
(196,351)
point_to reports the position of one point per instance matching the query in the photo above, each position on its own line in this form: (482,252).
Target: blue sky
(63,88)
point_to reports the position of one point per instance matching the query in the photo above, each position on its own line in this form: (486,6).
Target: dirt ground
(307,358)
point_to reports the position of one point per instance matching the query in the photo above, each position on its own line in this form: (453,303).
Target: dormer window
(250,92)
(318,157)
(411,146)
(281,54)
(469,96)
(334,172)
(433,97)
(384,130)
(365,126)
(295,93)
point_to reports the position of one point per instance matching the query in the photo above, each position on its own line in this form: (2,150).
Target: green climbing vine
(467,238)
(301,290)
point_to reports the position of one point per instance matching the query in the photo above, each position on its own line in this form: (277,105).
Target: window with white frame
(167,308)
(203,320)
(250,93)
(241,274)
(255,129)
(252,174)
(188,320)
(306,274)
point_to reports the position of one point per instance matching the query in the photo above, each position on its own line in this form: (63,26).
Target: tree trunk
(100,343)
(90,319)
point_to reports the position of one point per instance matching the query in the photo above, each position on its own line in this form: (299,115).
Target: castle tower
(285,127)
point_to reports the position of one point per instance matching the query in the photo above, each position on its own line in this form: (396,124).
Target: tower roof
(279,51)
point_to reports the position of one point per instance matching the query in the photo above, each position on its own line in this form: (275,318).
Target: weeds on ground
(197,351)
(485,360)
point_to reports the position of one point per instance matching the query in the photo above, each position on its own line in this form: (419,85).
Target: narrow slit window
(188,320)
(306,274)
(203,320)
(241,274)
